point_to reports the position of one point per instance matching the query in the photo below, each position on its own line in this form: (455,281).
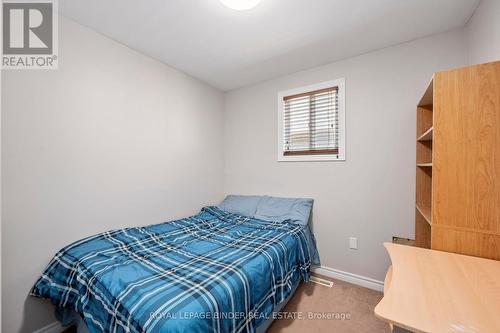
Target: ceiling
(230,49)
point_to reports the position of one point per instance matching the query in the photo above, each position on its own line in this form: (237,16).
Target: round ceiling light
(240,4)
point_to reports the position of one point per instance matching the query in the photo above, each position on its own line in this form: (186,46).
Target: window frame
(340,83)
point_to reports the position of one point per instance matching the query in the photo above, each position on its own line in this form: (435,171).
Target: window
(312,123)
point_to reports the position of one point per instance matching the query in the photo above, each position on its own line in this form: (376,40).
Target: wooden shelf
(460,221)
(425,133)
(427,136)
(425,212)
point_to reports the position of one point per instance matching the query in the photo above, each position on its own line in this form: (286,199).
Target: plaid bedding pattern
(212,272)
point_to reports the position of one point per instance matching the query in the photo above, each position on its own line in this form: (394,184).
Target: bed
(217,271)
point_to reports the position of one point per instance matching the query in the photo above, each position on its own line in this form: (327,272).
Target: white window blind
(311,123)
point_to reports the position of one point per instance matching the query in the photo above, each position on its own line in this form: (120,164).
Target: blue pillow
(241,204)
(297,210)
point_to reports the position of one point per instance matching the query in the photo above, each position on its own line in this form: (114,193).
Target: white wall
(483,33)
(110,139)
(371,195)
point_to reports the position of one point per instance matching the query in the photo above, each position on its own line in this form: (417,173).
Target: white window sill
(311,158)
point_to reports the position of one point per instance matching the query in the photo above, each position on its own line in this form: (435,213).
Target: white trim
(359,280)
(311,158)
(55,327)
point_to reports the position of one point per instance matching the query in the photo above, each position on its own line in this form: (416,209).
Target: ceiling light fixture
(240,4)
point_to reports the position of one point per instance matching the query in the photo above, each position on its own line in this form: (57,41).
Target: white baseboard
(359,280)
(55,327)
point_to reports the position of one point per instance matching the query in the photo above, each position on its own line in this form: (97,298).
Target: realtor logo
(29,34)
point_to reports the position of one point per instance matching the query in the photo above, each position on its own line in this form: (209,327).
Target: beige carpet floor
(344,308)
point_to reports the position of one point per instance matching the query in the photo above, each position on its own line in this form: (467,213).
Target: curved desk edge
(435,291)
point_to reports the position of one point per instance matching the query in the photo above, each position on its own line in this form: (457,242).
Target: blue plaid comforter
(213,272)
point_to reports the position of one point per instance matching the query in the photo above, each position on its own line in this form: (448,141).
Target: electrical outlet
(353,243)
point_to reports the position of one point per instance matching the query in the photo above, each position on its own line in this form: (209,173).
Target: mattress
(212,272)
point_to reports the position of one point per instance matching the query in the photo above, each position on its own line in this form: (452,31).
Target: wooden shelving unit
(425,129)
(457,168)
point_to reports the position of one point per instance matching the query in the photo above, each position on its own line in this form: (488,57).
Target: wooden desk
(434,291)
